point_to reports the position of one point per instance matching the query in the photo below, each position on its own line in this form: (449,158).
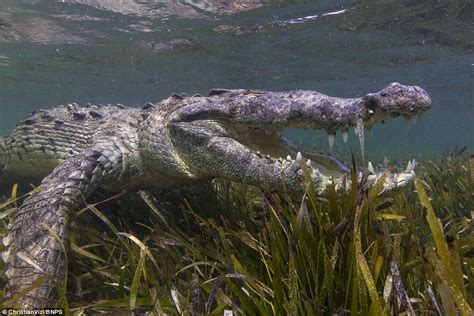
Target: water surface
(132,52)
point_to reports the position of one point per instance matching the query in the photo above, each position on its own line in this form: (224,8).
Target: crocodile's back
(48,137)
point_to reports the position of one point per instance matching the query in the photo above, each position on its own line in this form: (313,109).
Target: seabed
(240,249)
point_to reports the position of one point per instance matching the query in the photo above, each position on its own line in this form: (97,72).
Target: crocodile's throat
(271,144)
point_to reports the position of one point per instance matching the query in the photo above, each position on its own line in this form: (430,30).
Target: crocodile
(234,134)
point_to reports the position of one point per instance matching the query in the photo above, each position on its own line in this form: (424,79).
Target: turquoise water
(131,52)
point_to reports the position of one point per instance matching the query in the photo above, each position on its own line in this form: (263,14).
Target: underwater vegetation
(255,253)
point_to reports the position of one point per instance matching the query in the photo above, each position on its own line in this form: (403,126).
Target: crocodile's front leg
(41,227)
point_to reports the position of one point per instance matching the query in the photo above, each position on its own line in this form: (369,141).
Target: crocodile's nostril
(371,105)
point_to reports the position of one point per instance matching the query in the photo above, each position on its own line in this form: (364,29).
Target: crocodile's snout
(424,97)
(397,99)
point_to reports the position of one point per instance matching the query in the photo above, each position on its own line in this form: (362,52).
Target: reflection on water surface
(131,52)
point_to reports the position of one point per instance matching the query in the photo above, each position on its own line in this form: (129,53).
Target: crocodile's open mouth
(270,144)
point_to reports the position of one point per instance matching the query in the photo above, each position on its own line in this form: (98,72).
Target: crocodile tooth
(413,164)
(408,168)
(299,156)
(345,136)
(356,131)
(385,161)
(316,173)
(370,168)
(308,163)
(288,158)
(331,139)
(360,175)
(7,240)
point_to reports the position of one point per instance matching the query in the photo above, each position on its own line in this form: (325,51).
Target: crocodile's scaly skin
(181,139)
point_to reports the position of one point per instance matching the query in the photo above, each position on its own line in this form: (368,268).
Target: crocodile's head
(395,100)
(237,134)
